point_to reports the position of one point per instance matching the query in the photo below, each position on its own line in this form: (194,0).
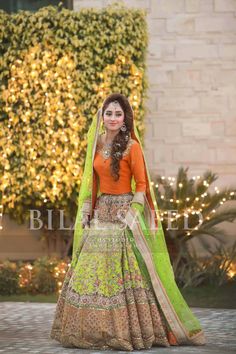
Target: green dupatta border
(149,238)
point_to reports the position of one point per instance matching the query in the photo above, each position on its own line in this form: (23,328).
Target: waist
(120,194)
(115,198)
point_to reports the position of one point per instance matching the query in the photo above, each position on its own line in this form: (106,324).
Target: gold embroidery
(105,153)
(84,321)
(106,301)
(130,143)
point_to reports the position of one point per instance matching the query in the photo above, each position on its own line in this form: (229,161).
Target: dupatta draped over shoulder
(149,238)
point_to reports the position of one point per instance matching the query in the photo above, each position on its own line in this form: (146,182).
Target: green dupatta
(149,239)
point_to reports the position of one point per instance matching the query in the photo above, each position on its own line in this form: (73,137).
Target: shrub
(9,278)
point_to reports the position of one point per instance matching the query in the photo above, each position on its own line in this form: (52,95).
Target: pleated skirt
(107,300)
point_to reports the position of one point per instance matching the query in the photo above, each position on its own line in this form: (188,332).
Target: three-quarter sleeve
(138,171)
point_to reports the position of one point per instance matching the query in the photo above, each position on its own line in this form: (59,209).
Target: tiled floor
(25,327)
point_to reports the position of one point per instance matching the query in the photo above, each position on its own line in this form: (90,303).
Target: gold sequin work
(107,300)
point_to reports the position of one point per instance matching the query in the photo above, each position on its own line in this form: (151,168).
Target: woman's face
(113,116)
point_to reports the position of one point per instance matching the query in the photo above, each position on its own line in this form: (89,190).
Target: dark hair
(121,139)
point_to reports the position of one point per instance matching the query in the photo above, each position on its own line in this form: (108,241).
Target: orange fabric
(131,164)
(171,338)
(140,163)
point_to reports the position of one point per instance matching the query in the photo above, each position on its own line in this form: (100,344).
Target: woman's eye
(117,115)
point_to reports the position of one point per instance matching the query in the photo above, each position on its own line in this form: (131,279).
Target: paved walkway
(24,328)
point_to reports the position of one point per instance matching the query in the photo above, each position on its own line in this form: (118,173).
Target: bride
(119,291)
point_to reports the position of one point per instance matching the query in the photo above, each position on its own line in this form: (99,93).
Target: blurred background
(175,60)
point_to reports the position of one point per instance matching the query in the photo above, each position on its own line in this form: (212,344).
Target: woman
(119,291)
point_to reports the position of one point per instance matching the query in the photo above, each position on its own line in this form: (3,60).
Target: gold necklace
(106,151)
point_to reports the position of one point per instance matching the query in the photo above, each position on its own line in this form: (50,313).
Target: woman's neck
(109,136)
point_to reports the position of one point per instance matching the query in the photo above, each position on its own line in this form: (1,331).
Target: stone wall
(191,62)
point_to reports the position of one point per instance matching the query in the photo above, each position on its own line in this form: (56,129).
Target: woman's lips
(112,123)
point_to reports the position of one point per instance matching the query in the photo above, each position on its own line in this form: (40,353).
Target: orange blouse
(132,163)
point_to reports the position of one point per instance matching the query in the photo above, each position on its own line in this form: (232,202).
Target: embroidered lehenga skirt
(107,300)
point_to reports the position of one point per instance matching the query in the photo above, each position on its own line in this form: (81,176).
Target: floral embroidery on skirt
(107,301)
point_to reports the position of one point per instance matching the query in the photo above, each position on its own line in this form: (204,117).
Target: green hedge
(96,37)
(56,68)
(43,276)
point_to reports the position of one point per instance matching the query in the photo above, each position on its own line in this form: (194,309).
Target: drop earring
(123,128)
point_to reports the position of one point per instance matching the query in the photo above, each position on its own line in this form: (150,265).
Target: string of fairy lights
(27,273)
(193,210)
(37,84)
(40,70)
(176,215)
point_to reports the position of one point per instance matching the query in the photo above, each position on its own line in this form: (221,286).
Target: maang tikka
(123,127)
